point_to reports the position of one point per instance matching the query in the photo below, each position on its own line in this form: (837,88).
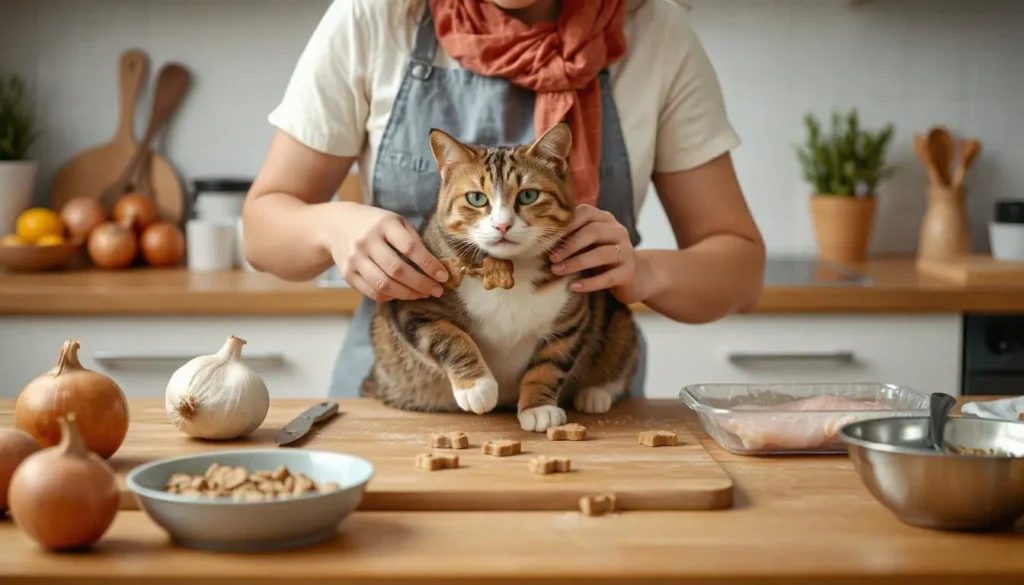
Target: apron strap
(425,46)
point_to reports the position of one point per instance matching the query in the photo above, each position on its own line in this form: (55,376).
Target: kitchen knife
(299,427)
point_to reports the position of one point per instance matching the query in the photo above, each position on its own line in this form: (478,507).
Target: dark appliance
(993,355)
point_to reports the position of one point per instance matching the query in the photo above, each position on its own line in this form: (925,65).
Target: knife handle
(321,412)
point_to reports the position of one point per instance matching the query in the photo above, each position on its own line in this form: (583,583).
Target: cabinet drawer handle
(113,360)
(839,357)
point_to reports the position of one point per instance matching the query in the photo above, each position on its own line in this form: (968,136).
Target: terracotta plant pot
(842,226)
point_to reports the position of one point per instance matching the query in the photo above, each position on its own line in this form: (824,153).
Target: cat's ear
(448,150)
(554,146)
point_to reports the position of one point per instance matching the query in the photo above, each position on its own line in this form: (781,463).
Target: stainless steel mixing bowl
(941,490)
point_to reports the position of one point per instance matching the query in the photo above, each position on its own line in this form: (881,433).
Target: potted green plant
(17,135)
(844,167)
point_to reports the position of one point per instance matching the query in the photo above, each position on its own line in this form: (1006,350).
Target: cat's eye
(476,199)
(527,196)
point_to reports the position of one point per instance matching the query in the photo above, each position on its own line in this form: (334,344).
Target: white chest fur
(507,324)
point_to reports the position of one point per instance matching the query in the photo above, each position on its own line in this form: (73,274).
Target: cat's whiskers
(547,238)
(463,244)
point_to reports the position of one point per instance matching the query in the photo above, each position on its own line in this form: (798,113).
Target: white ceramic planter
(17,184)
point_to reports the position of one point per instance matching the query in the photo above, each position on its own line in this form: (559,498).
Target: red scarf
(557,60)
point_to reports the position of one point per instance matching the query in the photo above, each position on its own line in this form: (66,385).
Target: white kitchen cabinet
(295,355)
(921,352)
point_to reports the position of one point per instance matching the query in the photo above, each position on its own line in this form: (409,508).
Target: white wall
(913,62)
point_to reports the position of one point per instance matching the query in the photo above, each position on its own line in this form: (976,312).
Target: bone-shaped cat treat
(657,438)
(455,440)
(547,465)
(598,505)
(502,448)
(495,272)
(568,432)
(435,461)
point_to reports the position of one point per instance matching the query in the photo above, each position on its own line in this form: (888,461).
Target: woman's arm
(717,270)
(293,230)
(288,209)
(719,266)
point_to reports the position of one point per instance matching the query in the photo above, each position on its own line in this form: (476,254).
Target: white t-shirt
(668,97)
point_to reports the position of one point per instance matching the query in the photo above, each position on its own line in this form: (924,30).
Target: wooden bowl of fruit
(40,243)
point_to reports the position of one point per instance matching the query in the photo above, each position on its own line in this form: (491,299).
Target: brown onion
(138,206)
(15,446)
(112,245)
(98,402)
(162,244)
(81,215)
(64,497)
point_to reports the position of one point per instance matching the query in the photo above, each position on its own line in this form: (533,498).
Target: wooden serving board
(683,477)
(974,271)
(91,171)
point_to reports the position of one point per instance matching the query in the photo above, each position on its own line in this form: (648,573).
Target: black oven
(993,355)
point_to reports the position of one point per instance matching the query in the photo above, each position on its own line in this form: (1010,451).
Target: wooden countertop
(796,520)
(897,288)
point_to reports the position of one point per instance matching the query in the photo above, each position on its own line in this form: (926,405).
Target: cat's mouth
(502,247)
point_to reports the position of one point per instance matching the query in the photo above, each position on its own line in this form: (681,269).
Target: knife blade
(302,424)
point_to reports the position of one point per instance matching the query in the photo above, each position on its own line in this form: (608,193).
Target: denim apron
(477,109)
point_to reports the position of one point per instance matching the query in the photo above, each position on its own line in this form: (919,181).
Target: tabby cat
(537,345)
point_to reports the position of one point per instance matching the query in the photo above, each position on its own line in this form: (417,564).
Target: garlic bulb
(217,396)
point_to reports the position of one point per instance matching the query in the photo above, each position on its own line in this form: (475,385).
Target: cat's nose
(502,227)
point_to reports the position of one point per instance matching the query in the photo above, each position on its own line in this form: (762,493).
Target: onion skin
(137,206)
(112,245)
(162,244)
(81,215)
(97,401)
(15,447)
(64,497)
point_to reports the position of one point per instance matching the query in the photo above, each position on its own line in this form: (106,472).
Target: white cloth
(670,103)
(1005,408)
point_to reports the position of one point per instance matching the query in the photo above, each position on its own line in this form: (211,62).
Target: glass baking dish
(781,419)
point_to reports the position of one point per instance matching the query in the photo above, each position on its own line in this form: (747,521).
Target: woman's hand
(366,249)
(598,241)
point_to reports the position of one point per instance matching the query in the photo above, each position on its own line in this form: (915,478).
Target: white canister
(1007,241)
(220,200)
(210,246)
(1006,231)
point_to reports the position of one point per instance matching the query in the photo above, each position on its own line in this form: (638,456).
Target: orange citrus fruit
(13,240)
(38,222)
(50,240)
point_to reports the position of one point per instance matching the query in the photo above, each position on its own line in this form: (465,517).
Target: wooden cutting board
(974,271)
(91,171)
(684,477)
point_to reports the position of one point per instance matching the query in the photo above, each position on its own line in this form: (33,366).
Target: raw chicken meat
(818,426)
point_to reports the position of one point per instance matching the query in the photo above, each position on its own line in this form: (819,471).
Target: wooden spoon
(172,84)
(969,150)
(924,155)
(941,147)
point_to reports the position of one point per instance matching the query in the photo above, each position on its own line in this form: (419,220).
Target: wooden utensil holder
(945,232)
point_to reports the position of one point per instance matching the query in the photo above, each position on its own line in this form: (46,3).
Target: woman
(630,77)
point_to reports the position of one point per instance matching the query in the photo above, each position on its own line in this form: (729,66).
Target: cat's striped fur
(537,346)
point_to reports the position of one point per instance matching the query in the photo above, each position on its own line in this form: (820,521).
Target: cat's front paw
(593,401)
(481,397)
(539,418)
